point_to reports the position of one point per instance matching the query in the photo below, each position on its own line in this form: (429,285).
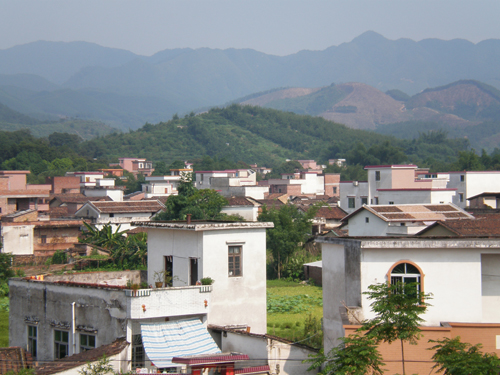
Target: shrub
(59,257)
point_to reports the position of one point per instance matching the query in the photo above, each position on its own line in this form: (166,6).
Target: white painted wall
(249,213)
(359,227)
(354,189)
(18,240)
(234,300)
(453,276)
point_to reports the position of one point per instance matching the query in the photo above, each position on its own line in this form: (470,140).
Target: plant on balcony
(207,281)
(162,277)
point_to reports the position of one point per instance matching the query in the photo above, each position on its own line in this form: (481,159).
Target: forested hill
(231,135)
(267,137)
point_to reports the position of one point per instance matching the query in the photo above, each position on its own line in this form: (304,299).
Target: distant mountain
(11,120)
(181,80)
(460,108)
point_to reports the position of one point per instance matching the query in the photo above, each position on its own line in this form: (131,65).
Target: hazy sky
(273,26)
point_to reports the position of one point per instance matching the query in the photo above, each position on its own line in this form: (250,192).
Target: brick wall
(418,358)
(332,180)
(65,184)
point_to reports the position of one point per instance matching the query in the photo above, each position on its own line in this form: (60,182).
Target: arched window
(406,272)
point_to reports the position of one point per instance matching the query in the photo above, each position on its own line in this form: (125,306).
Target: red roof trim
(424,189)
(204,360)
(391,166)
(252,370)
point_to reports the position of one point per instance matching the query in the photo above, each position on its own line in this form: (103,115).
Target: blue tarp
(165,340)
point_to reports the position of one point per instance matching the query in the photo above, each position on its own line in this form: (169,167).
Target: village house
(25,233)
(454,268)
(308,183)
(119,214)
(16,194)
(56,316)
(399,219)
(137,166)
(231,183)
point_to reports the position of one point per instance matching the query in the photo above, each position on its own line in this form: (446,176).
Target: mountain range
(87,81)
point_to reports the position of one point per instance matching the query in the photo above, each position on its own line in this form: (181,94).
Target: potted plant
(135,288)
(161,277)
(207,281)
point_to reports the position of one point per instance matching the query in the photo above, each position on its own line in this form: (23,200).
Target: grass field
(294,311)
(4,322)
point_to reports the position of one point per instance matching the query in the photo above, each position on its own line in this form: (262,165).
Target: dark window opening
(234,261)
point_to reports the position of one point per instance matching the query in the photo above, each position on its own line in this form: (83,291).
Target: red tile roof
(128,206)
(331,213)
(482,226)
(253,370)
(82,358)
(14,359)
(71,198)
(239,201)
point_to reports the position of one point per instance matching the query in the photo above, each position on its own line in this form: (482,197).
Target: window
(367,219)
(234,261)
(376,200)
(111,215)
(32,339)
(61,344)
(461,197)
(405,273)
(364,201)
(377,175)
(351,202)
(87,342)
(137,352)
(391,202)
(43,238)
(462,178)
(334,190)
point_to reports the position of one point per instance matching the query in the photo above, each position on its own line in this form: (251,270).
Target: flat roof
(198,226)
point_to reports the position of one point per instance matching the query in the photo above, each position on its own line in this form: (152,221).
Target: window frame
(364,200)
(137,346)
(351,202)
(60,343)
(85,347)
(377,175)
(32,340)
(389,274)
(232,261)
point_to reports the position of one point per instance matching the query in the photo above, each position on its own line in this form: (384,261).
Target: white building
(230,177)
(461,273)
(396,184)
(119,213)
(472,183)
(400,220)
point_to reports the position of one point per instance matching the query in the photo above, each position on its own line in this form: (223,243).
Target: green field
(4,322)
(294,311)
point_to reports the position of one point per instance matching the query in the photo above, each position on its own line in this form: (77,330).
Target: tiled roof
(14,359)
(253,370)
(61,211)
(331,213)
(484,225)
(72,198)
(271,203)
(415,212)
(82,358)
(128,206)
(239,201)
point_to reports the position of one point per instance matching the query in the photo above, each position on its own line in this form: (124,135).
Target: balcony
(162,302)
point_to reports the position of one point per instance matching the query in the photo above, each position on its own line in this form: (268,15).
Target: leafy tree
(357,354)
(205,204)
(291,230)
(469,161)
(178,164)
(100,367)
(398,308)
(161,169)
(454,357)
(5,272)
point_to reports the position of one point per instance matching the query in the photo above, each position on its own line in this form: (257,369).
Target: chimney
(188,218)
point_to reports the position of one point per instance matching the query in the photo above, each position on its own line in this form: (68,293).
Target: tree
(357,354)
(291,230)
(205,204)
(398,308)
(454,357)
(100,367)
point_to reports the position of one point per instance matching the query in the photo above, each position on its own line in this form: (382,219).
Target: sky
(278,27)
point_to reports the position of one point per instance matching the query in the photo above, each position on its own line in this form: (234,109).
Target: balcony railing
(162,302)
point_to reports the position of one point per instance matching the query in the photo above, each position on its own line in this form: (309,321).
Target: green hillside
(263,136)
(312,104)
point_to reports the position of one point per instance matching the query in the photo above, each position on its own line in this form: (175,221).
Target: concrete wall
(103,278)
(282,357)
(49,307)
(248,213)
(18,239)
(356,190)
(246,295)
